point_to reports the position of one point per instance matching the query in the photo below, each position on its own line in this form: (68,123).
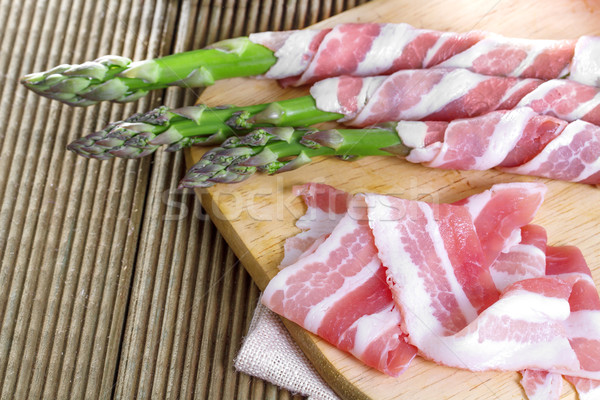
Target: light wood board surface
(256,216)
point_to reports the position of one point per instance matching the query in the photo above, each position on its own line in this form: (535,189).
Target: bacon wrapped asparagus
(518,141)
(306,56)
(438,94)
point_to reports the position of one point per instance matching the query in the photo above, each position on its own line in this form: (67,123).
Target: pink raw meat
(366,49)
(500,212)
(517,141)
(541,385)
(572,156)
(339,292)
(444,94)
(583,324)
(565,99)
(326,207)
(524,260)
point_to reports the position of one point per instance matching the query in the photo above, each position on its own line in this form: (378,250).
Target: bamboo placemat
(113,283)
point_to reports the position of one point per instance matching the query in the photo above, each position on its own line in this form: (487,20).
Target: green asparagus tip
(219,165)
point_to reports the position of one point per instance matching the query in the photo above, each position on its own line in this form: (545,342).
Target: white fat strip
(425,154)
(315,316)
(515,88)
(549,389)
(314,224)
(592,394)
(507,133)
(455,84)
(533,48)
(399,265)
(583,108)
(381,55)
(412,133)
(586,61)
(271,40)
(333,242)
(503,279)
(325,93)
(540,92)
(584,324)
(477,202)
(539,308)
(563,140)
(432,228)
(410,288)
(292,57)
(334,34)
(467,350)
(437,46)
(546,87)
(318,220)
(370,327)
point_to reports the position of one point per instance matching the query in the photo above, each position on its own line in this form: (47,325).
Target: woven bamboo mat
(113,283)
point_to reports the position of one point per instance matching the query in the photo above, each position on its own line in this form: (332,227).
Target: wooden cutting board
(256,216)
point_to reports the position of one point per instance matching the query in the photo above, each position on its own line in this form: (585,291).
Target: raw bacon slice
(326,206)
(583,324)
(517,141)
(436,94)
(585,67)
(339,292)
(529,327)
(541,385)
(440,238)
(375,49)
(447,94)
(499,213)
(566,100)
(587,389)
(522,261)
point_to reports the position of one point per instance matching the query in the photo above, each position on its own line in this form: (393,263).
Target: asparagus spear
(142,134)
(275,150)
(119,79)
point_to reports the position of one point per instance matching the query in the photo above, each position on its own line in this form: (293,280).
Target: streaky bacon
(542,311)
(499,213)
(541,385)
(364,49)
(524,260)
(339,292)
(326,206)
(517,141)
(583,324)
(444,94)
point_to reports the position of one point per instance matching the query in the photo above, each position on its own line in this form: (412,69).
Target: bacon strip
(374,49)
(440,295)
(448,94)
(517,141)
(326,206)
(541,385)
(524,260)
(339,292)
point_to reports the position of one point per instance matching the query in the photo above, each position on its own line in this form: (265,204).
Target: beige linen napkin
(269,353)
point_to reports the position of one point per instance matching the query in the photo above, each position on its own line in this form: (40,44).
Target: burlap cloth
(269,353)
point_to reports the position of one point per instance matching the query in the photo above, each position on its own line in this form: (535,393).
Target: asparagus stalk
(119,79)
(275,150)
(142,134)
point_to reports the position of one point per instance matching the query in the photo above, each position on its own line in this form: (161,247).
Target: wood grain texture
(257,215)
(111,280)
